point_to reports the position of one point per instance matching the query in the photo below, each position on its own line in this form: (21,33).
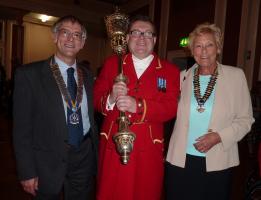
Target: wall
(8,50)
(184,16)
(232,30)
(38,42)
(257,62)
(248,44)
(259,76)
(95,51)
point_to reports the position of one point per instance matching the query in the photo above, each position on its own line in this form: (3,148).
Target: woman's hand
(207,141)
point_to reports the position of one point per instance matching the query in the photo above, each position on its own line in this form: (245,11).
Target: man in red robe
(149,98)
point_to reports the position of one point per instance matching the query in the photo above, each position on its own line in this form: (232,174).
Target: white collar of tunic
(141,65)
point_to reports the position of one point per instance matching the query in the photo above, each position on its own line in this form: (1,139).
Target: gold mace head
(124,144)
(117,26)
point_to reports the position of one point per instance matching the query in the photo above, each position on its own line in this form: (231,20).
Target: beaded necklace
(210,87)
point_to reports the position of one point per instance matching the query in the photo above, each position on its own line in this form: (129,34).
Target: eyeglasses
(76,35)
(147,34)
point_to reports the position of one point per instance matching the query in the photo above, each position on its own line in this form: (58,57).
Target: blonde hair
(206,28)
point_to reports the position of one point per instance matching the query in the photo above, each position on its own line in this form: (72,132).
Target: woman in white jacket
(214,113)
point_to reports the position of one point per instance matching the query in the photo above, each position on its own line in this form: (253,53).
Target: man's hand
(126,103)
(30,185)
(118,89)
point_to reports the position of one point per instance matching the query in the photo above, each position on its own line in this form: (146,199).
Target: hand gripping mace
(117,25)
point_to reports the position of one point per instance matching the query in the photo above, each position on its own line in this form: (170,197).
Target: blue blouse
(199,122)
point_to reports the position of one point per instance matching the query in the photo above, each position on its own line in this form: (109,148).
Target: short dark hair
(69,18)
(143,18)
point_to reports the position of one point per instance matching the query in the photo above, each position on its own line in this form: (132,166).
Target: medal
(200,109)
(161,84)
(74,118)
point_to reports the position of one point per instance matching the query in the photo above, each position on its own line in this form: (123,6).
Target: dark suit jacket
(40,131)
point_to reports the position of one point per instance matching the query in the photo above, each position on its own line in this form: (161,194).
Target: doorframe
(248,38)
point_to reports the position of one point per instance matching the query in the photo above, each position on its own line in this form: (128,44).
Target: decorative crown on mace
(117,27)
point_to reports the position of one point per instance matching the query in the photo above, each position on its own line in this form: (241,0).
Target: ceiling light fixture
(44,18)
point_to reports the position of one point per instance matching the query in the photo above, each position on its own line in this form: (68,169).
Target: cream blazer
(232,117)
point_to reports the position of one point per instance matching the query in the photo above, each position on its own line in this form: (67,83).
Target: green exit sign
(183,42)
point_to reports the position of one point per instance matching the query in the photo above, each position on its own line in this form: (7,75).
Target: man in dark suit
(54,133)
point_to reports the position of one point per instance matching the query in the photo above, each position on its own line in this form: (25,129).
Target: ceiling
(87,10)
(11,13)
(91,12)
(114,2)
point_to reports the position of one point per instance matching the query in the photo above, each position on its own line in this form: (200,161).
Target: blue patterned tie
(75,130)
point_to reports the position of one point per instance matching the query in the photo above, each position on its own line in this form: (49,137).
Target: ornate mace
(117,25)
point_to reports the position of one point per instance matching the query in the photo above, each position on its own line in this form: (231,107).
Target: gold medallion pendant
(200,109)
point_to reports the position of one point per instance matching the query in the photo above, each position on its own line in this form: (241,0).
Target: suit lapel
(151,70)
(128,69)
(88,82)
(186,91)
(54,96)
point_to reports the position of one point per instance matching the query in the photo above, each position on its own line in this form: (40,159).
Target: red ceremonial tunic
(158,90)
